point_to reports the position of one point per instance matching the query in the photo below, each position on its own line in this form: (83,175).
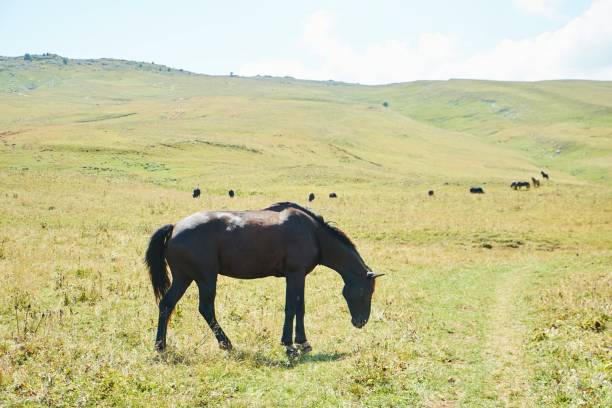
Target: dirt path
(506,341)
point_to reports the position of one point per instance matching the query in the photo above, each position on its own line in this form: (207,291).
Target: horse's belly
(254,273)
(246,262)
(242,270)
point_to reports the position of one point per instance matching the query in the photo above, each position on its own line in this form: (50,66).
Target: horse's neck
(339,256)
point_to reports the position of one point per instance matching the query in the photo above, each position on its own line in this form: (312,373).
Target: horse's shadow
(260,359)
(255,358)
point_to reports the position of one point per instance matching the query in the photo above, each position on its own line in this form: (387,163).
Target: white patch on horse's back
(283,216)
(232,220)
(195,219)
(190,222)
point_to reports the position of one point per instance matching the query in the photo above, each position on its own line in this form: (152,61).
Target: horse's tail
(156,261)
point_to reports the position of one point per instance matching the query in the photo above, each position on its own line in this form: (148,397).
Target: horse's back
(242,244)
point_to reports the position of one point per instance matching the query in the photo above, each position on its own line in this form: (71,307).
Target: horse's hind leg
(166,306)
(208,291)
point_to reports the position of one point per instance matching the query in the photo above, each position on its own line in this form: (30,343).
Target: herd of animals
(231,193)
(516,185)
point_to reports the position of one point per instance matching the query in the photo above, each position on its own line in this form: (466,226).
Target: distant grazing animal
(536,182)
(231,193)
(284,240)
(430,193)
(311,197)
(333,195)
(520,184)
(196,192)
(476,190)
(544,175)
(517,185)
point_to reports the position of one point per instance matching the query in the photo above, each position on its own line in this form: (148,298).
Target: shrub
(27,57)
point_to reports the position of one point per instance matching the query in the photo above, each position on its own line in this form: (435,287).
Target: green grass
(494,300)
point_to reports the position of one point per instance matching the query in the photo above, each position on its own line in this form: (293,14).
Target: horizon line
(289,77)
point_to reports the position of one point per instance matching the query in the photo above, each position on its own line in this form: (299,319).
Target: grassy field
(501,299)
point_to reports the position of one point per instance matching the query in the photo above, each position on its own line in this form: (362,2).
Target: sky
(367,42)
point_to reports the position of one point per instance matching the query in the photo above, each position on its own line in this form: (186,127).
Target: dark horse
(283,240)
(517,185)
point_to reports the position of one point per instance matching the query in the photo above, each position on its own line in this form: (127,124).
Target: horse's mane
(335,231)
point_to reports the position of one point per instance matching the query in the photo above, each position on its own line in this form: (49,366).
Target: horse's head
(358,294)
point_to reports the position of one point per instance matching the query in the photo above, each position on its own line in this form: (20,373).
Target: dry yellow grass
(492,300)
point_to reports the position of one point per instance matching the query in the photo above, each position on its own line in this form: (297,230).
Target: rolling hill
(146,120)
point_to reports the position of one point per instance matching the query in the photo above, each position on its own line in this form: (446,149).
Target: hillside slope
(138,119)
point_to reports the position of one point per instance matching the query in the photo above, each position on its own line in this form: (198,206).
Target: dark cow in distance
(231,193)
(196,192)
(544,175)
(333,195)
(430,193)
(476,190)
(536,182)
(517,185)
(311,197)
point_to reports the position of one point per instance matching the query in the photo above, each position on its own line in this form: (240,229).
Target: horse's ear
(373,275)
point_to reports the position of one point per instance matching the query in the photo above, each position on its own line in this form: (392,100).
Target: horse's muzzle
(359,323)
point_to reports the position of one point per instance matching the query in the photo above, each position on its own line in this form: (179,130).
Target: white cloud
(544,8)
(389,61)
(580,49)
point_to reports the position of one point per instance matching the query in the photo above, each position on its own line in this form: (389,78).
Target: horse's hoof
(292,352)
(225,345)
(304,347)
(160,346)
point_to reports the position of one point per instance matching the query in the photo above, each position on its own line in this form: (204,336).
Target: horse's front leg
(300,334)
(295,286)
